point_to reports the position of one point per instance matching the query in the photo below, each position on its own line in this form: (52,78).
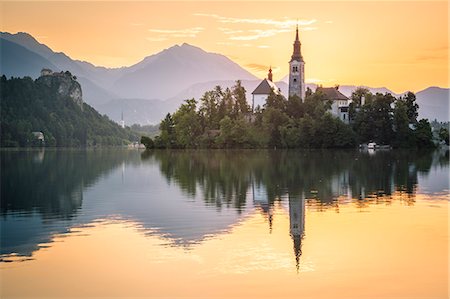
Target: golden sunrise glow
(400,45)
(339,260)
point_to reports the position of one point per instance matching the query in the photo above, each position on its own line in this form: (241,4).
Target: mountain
(175,69)
(159,76)
(21,55)
(18,61)
(434,103)
(135,111)
(159,83)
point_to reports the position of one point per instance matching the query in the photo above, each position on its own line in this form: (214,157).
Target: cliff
(64,85)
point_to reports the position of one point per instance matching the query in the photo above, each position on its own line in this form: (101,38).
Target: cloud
(165,34)
(430,57)
(258,67)
(328,22)
(258,33)
(229,31)
(285,23)
(263,46)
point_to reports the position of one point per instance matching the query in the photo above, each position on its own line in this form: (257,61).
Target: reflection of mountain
(188,196)
(42,193)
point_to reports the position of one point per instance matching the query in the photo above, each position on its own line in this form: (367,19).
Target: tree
(423,134)
(412,107)
(187,124)
(443,135)
(403,134)
(240,102)
(276,101)
(148,142)
(273,120)
(358,94)
(167,128)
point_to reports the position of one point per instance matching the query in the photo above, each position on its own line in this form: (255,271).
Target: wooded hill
(53,105)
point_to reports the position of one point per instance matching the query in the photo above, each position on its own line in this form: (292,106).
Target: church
(297,86)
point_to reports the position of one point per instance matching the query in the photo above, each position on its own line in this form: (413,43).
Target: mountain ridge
(169,76)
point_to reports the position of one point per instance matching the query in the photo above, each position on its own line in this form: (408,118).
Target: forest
(29,106)
(222,118)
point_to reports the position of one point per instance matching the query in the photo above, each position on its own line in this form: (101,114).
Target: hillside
(53,105)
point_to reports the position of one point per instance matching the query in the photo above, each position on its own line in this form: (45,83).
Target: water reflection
(187,197)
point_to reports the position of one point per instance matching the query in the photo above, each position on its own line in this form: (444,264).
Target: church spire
(269,75)
(297,55)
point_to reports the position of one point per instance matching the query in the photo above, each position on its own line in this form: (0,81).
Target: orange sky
(400,45)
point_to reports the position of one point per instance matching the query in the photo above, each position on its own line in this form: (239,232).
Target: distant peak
(187,45)
(19,34)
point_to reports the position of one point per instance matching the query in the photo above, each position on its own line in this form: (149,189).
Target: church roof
(331,93)
(265,87)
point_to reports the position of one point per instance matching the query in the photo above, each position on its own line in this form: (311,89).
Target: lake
(224,224)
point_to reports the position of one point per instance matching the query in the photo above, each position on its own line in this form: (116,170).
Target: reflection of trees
(322,179)
(220,181)
(323,176)
(51,182)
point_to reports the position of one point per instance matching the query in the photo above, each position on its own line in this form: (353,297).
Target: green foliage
(223,119)
(148,142)
(412,107)
(403,135)
(423,134)
(30,106)
(444,135)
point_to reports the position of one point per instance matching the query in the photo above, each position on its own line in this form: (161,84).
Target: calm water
(224,224)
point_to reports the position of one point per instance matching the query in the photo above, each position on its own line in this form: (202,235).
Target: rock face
(64,83)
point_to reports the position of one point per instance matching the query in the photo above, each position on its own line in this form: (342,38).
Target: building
(46,72)
(340,103)
(263,90)
(297,71)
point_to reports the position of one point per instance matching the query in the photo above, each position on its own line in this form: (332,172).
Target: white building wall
(259,99)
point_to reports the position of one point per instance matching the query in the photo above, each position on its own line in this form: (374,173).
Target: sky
(400,45)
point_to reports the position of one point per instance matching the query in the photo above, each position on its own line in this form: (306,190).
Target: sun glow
(400,45)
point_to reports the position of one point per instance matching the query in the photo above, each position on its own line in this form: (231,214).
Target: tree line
(222,118)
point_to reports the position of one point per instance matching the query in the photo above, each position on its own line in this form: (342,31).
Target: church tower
(297,71)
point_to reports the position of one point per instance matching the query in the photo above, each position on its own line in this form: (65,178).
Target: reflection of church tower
(297,224)
(297,71)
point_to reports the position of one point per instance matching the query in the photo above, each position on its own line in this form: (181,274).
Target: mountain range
(149,89)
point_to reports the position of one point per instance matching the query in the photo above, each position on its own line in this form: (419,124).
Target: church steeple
(297,70)
(296,54)
(269,75)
